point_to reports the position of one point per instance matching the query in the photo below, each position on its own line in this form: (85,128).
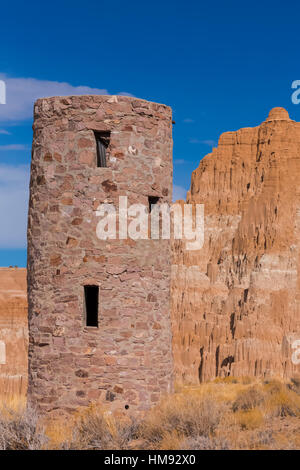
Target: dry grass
(13,402)
(12,392)
(251,419)
(59,432)
(224,414)
(94,429)
(171,440)
(281,400)
(182,415)
(12,386)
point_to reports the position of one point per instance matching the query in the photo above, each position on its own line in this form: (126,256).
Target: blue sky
(219,65)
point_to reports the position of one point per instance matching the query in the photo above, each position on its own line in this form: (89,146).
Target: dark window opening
(102,143)
(152,201)
(91,297)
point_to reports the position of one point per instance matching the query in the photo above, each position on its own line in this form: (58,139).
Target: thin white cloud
(4,132)
(179,161)
(14,183)
(13,147)
(211,143)
(179,192)
(188,120)
(21,93)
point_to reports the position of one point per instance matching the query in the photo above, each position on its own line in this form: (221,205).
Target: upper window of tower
(102,143)
(152,200)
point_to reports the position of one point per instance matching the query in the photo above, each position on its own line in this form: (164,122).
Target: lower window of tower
(91,299)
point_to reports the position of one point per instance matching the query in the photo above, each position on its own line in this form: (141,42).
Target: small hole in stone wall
(126,407)
(152,200)
(91,297)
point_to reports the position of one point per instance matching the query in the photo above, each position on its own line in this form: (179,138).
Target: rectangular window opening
(152,200)
(91,300)
(102,143)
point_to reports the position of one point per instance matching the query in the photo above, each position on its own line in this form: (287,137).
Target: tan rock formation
(13,331)
(235,303)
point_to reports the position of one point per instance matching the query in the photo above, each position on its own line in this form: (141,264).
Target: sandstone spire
(235,303)
(278,114)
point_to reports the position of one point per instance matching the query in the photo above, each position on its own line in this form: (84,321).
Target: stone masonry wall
(127,360)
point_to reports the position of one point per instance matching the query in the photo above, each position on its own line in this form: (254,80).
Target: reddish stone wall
(235,303)
(13,332)
(126,360)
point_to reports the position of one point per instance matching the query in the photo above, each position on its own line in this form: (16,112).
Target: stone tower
(99,313)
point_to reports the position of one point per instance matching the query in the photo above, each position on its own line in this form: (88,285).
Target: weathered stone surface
(235,303)
(127,360)
(13,331)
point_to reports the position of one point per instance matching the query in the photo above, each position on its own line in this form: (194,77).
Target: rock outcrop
(13,331)
(235,303)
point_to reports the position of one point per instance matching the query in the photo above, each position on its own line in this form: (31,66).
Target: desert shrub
(96,430)
(126,433)
(20,430)
(281,401)
(91,432)
(187,415)
(204,443)
(248,399)
(250,419)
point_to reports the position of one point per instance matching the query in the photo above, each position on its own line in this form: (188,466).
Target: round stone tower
(99,313)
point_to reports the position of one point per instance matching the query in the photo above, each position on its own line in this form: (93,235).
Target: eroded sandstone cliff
(13,331)
(235,303)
